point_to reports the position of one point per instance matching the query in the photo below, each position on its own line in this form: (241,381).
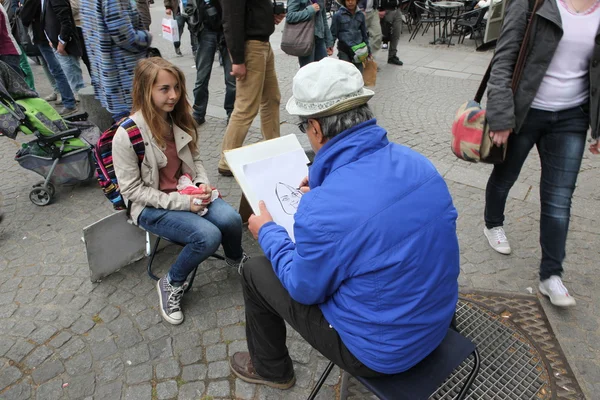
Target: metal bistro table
(448,7)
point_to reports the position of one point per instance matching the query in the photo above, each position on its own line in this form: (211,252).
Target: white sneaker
(557,292)
(58,101)
(497,239)
(51,97)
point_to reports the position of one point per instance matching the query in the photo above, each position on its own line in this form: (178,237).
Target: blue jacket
(376,248)
(302,10)
(349,28)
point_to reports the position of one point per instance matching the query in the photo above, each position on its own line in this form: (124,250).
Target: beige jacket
(139,184)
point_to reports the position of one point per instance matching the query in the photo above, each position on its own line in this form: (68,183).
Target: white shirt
(566,83)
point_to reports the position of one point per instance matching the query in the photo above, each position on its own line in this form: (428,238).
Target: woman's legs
(319,52)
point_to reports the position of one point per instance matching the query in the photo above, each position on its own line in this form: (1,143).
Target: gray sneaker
(239,264)
(58,101)
(51,97)
(170,300)
(65,111)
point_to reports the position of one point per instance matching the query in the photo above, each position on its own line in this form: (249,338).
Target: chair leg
(472,376)
(321,381)
(191,280)
(218,257)
(149,268)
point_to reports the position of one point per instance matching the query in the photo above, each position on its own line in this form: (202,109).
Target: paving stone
(156,332)
(191,391)
(219,389)
(37,357)
(139,374)
(184,341)
(136,355)
(72,348)
(218,369)
(99,334)
(196,372)
(8,376)
(139,392)
(110,370)
(81,386)
(234,347)
(166,390)
(244,390)
(48,370)
(20,391)
(212,336)
(167,369)
(300,351)
(43,334)
(19,350)
(234,332)
(109,391)
(109,313)
(216,352)
(104,349)
(148,318)
(229,316)
(79,364)
(161,348)
(191,356)
(51,390)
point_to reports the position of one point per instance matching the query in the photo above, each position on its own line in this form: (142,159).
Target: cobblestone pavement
(65,337)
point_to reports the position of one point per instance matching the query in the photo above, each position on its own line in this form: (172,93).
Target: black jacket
(246,20)
(508,111)
(57,19)
(31,15)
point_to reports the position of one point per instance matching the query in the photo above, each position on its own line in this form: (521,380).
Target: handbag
(471,140)
(370,72)
(298,39)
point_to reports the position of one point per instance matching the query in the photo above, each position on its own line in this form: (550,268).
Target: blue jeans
(62,84)
(208,43)
(201,236)
(319,52)
(181,21)
(560,140)
(72,69)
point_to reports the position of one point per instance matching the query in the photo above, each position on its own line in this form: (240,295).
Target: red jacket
(8,44)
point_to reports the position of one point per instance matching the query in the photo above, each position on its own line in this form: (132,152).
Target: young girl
(350,28)
(163,115)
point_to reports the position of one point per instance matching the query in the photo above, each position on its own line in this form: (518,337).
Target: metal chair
(152,253)
(422,380)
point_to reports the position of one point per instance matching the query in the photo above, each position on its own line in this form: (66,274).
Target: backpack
(102,153)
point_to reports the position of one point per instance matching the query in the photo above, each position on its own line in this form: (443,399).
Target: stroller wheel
(50,187)
(40,196)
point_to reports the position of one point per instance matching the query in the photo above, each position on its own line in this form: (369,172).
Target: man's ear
(318,132)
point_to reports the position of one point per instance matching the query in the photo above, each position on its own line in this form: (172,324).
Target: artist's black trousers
(268,306)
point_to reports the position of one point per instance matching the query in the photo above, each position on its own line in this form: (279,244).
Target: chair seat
(422,380)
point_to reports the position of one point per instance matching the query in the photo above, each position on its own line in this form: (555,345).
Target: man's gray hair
(333,125)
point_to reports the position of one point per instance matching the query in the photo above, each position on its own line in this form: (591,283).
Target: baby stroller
(61,151)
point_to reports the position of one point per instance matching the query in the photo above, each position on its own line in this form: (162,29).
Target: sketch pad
(271,171)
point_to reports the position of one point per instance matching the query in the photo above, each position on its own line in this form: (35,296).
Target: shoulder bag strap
(519,66)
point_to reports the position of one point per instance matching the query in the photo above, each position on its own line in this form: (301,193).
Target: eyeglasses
(302,126)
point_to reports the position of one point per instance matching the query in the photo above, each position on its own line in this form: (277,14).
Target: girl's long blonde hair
(144,78)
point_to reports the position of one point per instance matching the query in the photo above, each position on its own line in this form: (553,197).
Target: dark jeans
(560,140)
(319,52)
(201,236)
(268,305)
(345,57)
(208,43)
(181,21)
(62,83)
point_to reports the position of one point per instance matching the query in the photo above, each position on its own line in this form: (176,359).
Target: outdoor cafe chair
(427,16)
(152,252)
(422,380)
(471,22)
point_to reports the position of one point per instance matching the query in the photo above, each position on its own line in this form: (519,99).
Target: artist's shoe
(239,264)
(241,365)
(224,172)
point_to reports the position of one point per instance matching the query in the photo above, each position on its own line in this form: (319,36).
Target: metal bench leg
(150,274)
(472,376)
(321,381)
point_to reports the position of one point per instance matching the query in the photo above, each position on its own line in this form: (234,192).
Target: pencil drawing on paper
(288,196)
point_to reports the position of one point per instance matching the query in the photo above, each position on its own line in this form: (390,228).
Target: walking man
(389,10)
(247,25)
(210,38)
(369,7)
(174,8)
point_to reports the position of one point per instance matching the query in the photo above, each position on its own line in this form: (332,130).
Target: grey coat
(505,111)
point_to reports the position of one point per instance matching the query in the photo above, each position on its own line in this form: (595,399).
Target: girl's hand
(595,147)
(206,192)
(500,137)
(316,7)
(196,204)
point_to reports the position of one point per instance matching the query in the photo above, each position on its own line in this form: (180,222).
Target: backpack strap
(135,136)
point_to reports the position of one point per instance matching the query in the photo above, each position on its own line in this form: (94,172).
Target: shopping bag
(170,30)
(370,72)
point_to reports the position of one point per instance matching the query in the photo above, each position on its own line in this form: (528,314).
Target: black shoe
(178,52)
(200,121)
(395,60)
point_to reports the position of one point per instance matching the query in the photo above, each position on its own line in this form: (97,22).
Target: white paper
(275,181)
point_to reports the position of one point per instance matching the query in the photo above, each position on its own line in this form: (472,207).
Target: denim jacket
(302,10)
(349,28)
